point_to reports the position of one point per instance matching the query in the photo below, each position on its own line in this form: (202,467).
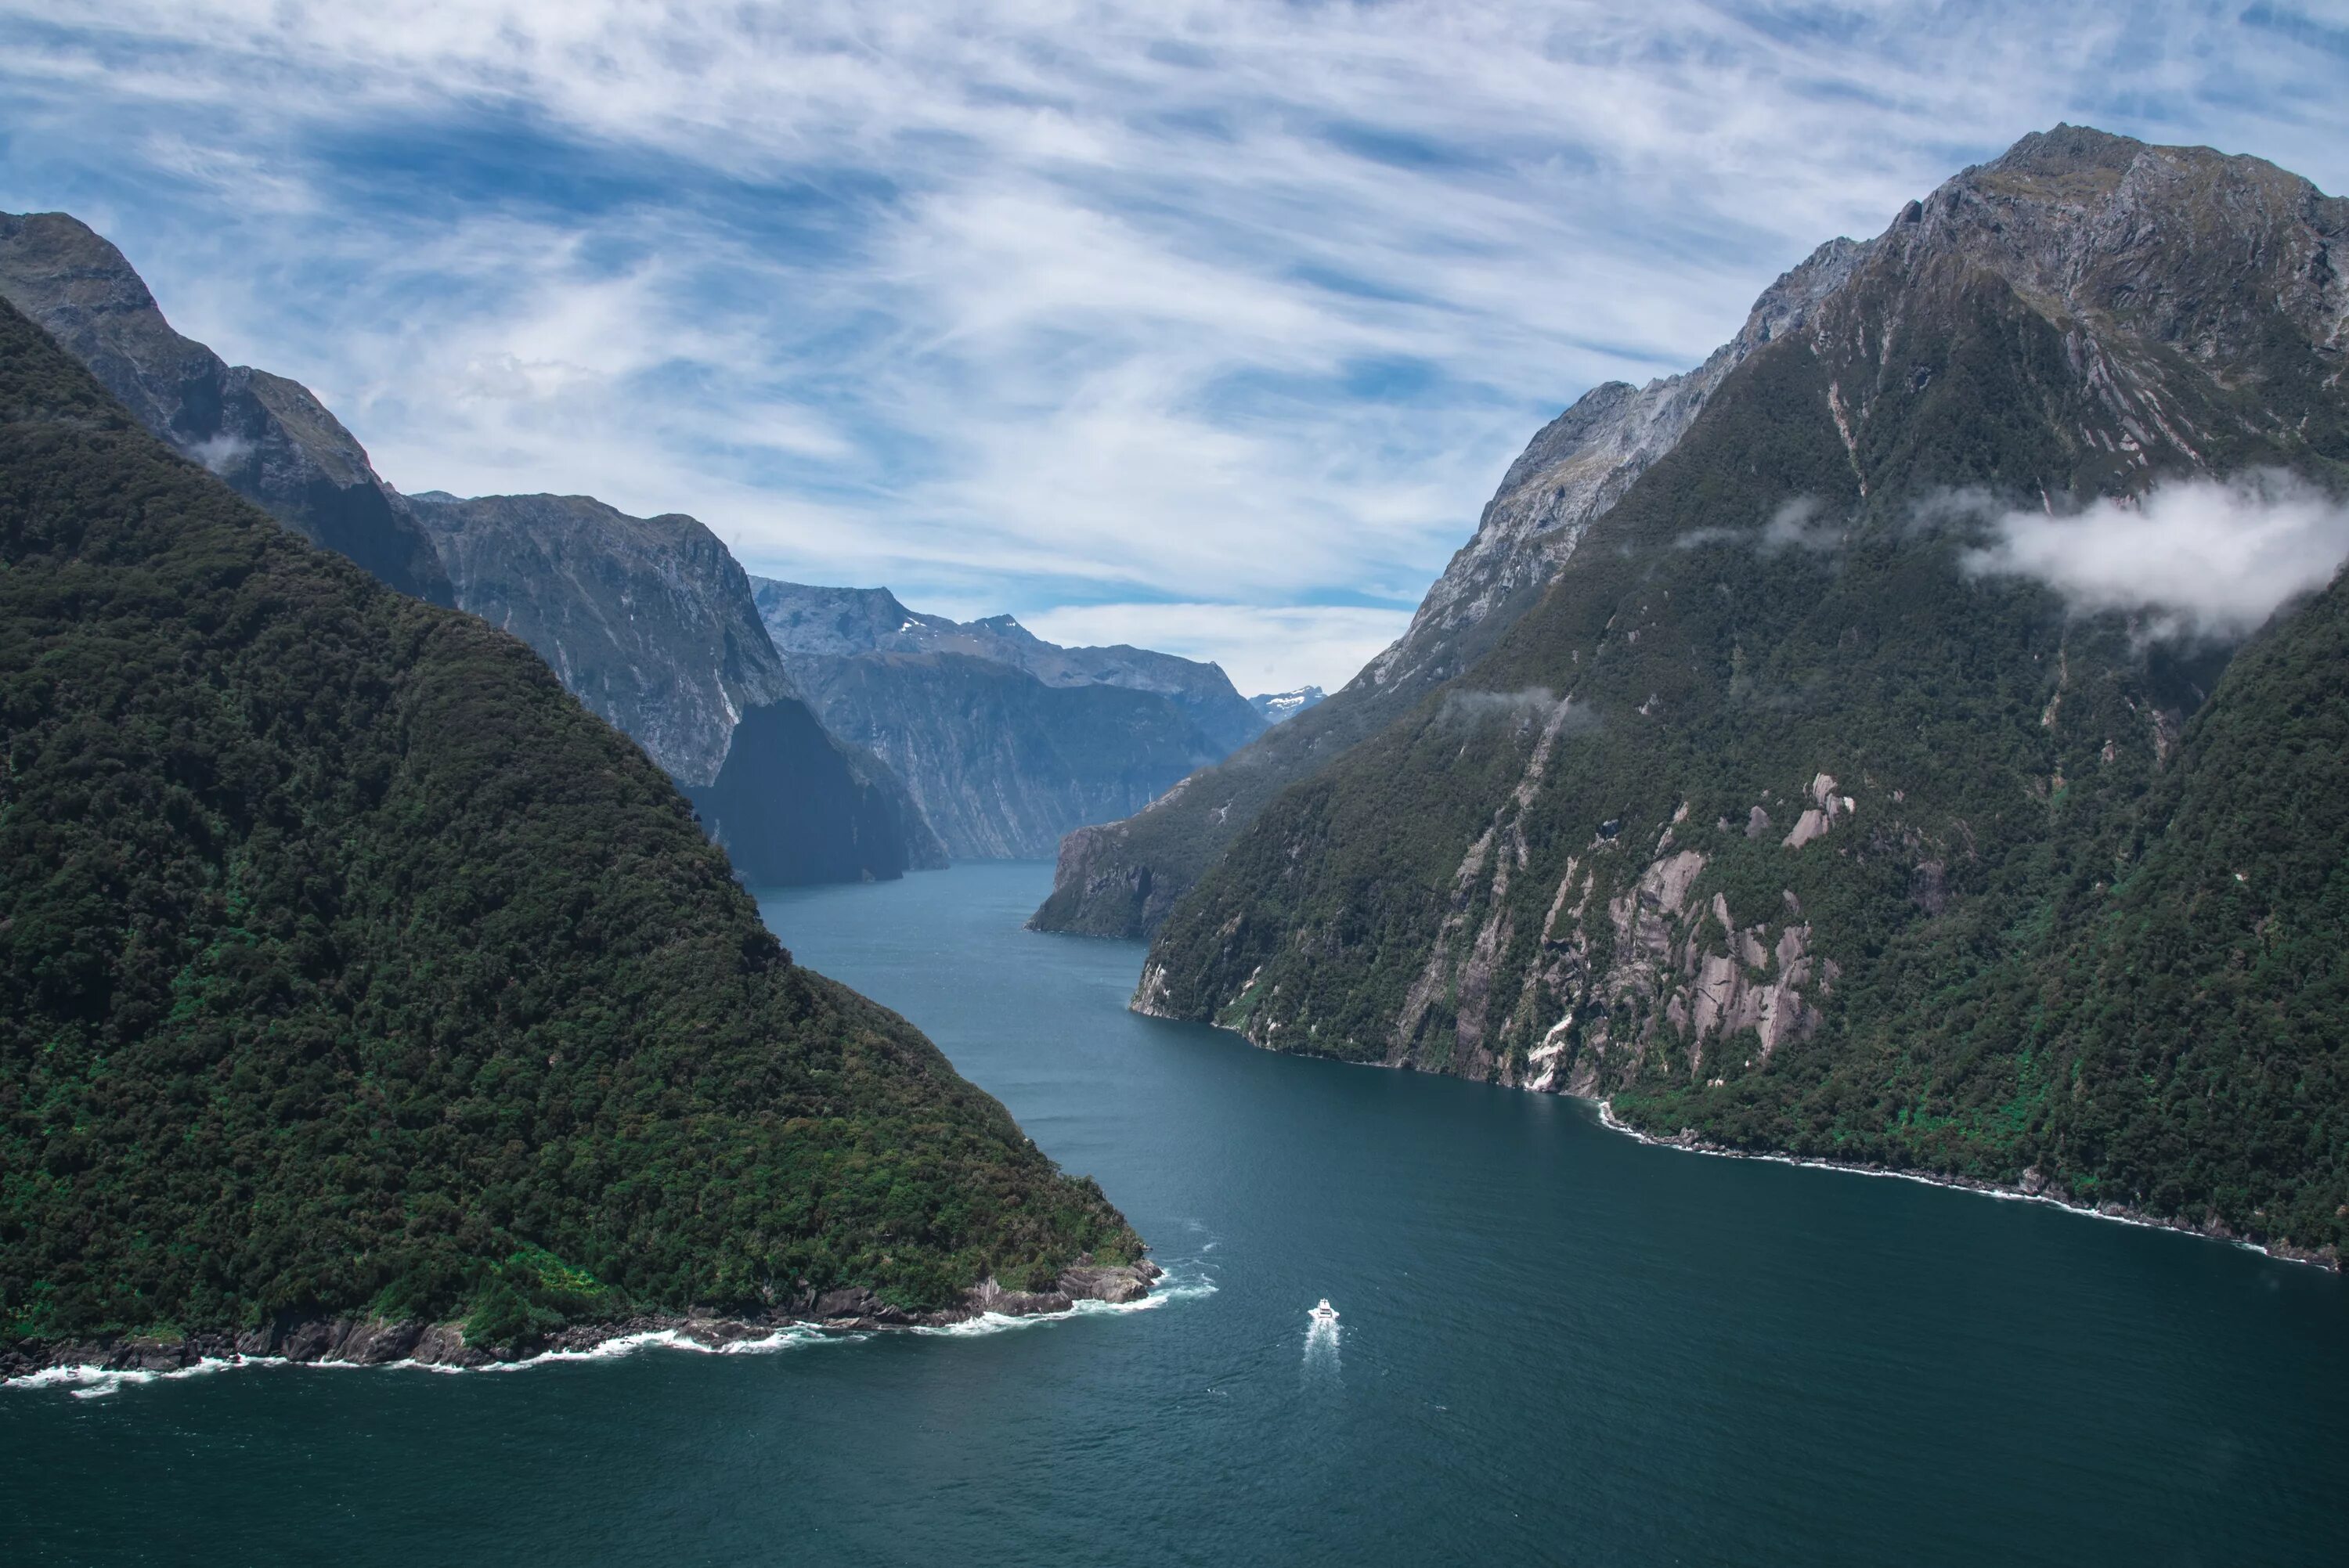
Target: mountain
(1277,706)
(843,622)
(267,437)
(1005,741)
(359,979)
(794,804)
(1001,764)
(649,622)
(1122,877)
(1796,816)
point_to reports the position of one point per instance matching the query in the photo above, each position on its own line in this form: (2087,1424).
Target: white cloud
(1213,300)
(2204,557)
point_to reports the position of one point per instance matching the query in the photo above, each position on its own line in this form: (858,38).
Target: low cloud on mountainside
(2208,557)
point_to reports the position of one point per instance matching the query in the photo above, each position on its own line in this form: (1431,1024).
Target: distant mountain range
(650,621)
(1005,740)
(1277,706)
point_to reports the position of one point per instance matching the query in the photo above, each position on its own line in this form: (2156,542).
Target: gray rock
(273,441)
(843,623)
(1005,742)
(649,621)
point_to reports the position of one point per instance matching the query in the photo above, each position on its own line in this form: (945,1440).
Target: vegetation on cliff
(1783,821)
(352,967)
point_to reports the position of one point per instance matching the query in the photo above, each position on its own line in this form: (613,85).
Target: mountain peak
(268,436)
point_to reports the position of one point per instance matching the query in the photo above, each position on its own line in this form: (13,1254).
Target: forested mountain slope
(354,969)
(1791,816)
(1122,877)
(267,437)
(649,622)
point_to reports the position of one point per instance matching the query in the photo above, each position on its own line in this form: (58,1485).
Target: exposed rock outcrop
(649,621)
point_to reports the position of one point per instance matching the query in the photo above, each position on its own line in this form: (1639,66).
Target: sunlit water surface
(1557,1346)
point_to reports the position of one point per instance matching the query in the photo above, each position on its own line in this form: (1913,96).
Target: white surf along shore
(91,1380)
(1689,1143)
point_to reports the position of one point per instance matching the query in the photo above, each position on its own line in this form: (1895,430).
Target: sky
(1206,326)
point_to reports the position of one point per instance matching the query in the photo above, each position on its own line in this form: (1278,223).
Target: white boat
(1324,1313)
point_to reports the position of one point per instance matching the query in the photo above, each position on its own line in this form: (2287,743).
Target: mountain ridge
(1782,821)
(268,436)
(1005,741)
(1121,879)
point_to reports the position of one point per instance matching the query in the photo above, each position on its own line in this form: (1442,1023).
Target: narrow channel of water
(1557,1346)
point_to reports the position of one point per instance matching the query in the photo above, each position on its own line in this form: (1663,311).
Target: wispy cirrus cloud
(1112,312)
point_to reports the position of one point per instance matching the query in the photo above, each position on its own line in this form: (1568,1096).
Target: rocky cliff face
(846,622)
(1122,877)
(649,622)
(1783,820)
(267,437)
(1001,764)
(1005,741)
(1575,469)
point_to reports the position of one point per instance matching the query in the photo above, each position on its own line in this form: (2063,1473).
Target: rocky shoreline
(361,1342)
(2033,1188)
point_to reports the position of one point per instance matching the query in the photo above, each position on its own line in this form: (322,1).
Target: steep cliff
(1121,878)
(649,622)
(1004,740)
(267,437)
(1001,764)
(1791,818)
(355,972)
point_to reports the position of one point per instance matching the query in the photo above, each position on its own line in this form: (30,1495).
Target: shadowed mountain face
(273,441)
(1122,877)
(1004,740)
(355,972)
(1788,816)
(649,622)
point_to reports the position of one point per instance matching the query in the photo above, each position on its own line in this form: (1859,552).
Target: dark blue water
(1558,1345)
